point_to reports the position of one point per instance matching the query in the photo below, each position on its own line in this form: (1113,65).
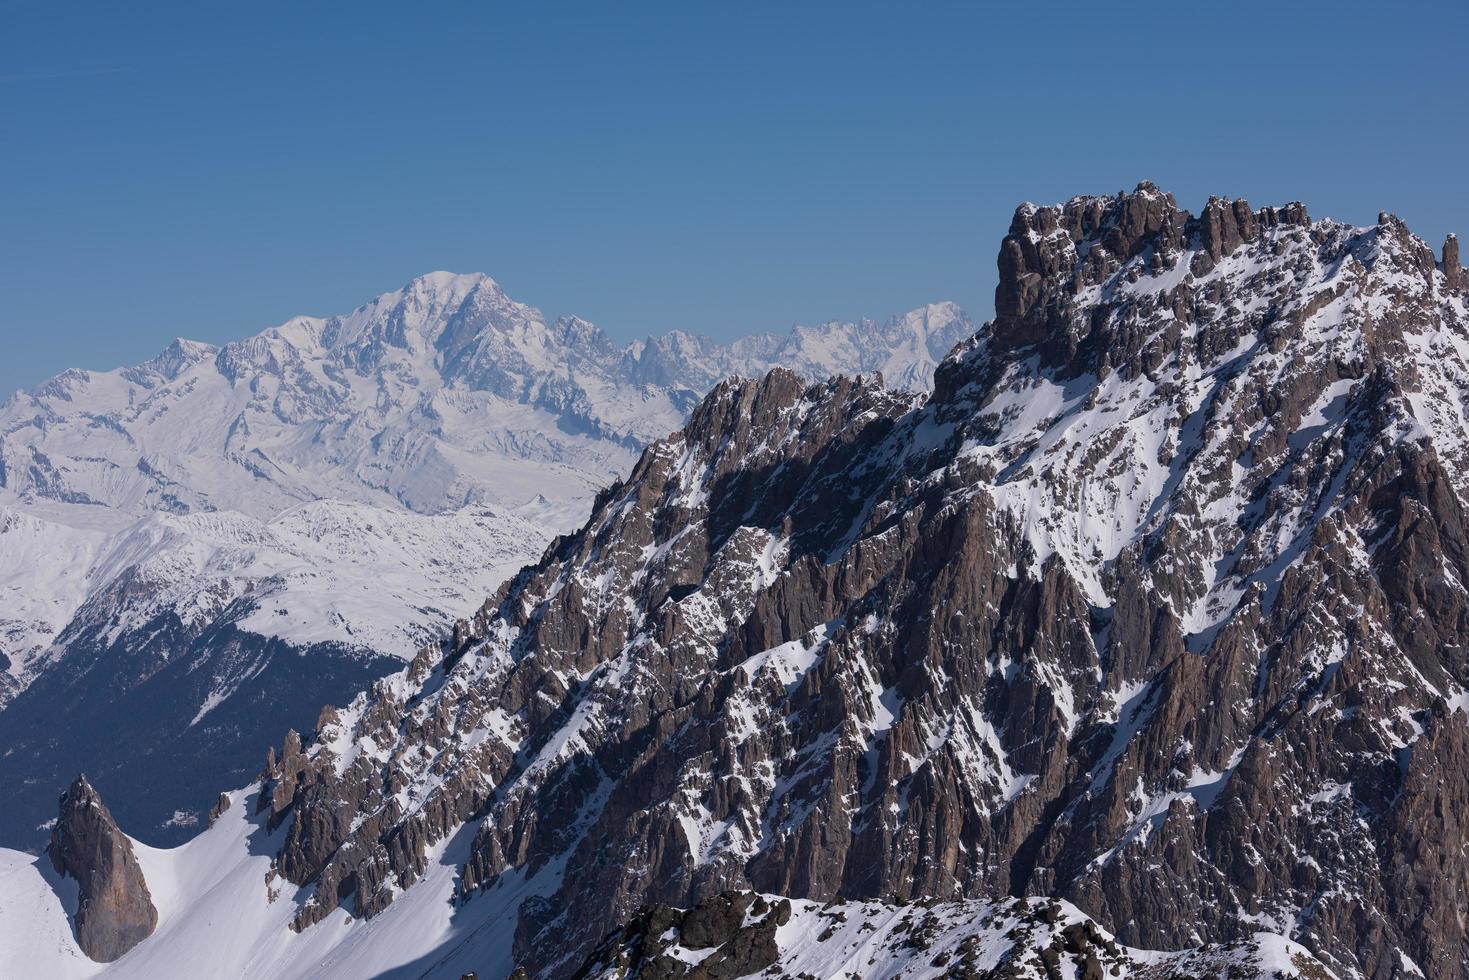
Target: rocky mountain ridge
(225,873)
(1155,606)
(741,934)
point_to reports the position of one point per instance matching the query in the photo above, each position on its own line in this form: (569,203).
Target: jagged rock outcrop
(221,804)
(114,908)
(1156,605)
(1015,940)
(731,935)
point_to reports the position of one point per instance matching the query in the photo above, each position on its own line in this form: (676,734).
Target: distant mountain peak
(381,379)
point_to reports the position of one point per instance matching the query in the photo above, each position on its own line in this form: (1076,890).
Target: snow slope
(1017,939)
(325,571)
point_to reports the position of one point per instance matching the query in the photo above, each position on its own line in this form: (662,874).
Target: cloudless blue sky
(208,170)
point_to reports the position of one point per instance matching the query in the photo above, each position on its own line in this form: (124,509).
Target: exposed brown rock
(641,948)
(114,909)
(1174,648)
(220,806)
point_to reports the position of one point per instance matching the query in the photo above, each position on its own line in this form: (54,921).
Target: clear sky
(208,170)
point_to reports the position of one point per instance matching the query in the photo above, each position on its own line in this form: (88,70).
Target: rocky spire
(1054,253)
(1063,269)
(114,909)
(1451,268)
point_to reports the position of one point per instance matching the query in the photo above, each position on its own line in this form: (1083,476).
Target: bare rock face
(114,910)
(732,934)
(221,804)
(1157,605)
(1451,268)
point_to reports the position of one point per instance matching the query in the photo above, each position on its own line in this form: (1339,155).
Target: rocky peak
(1451,269)
(731,934)
(575,331)
(172,361)
(114,909)
(1051,253)
(1140,613)
(1103,283)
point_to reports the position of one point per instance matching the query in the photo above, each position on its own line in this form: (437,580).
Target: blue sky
(207,170)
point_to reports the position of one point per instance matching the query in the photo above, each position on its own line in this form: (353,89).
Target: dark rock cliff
(114,909)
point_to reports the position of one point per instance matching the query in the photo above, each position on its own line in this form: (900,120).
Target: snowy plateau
(199,551)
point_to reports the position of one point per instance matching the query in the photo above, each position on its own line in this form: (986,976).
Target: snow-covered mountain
(1156,605)
(328,571)
(186,636)
(174,536)
(440,394)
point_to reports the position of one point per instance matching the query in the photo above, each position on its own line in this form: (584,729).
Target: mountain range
(1134,647)
(199,551)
